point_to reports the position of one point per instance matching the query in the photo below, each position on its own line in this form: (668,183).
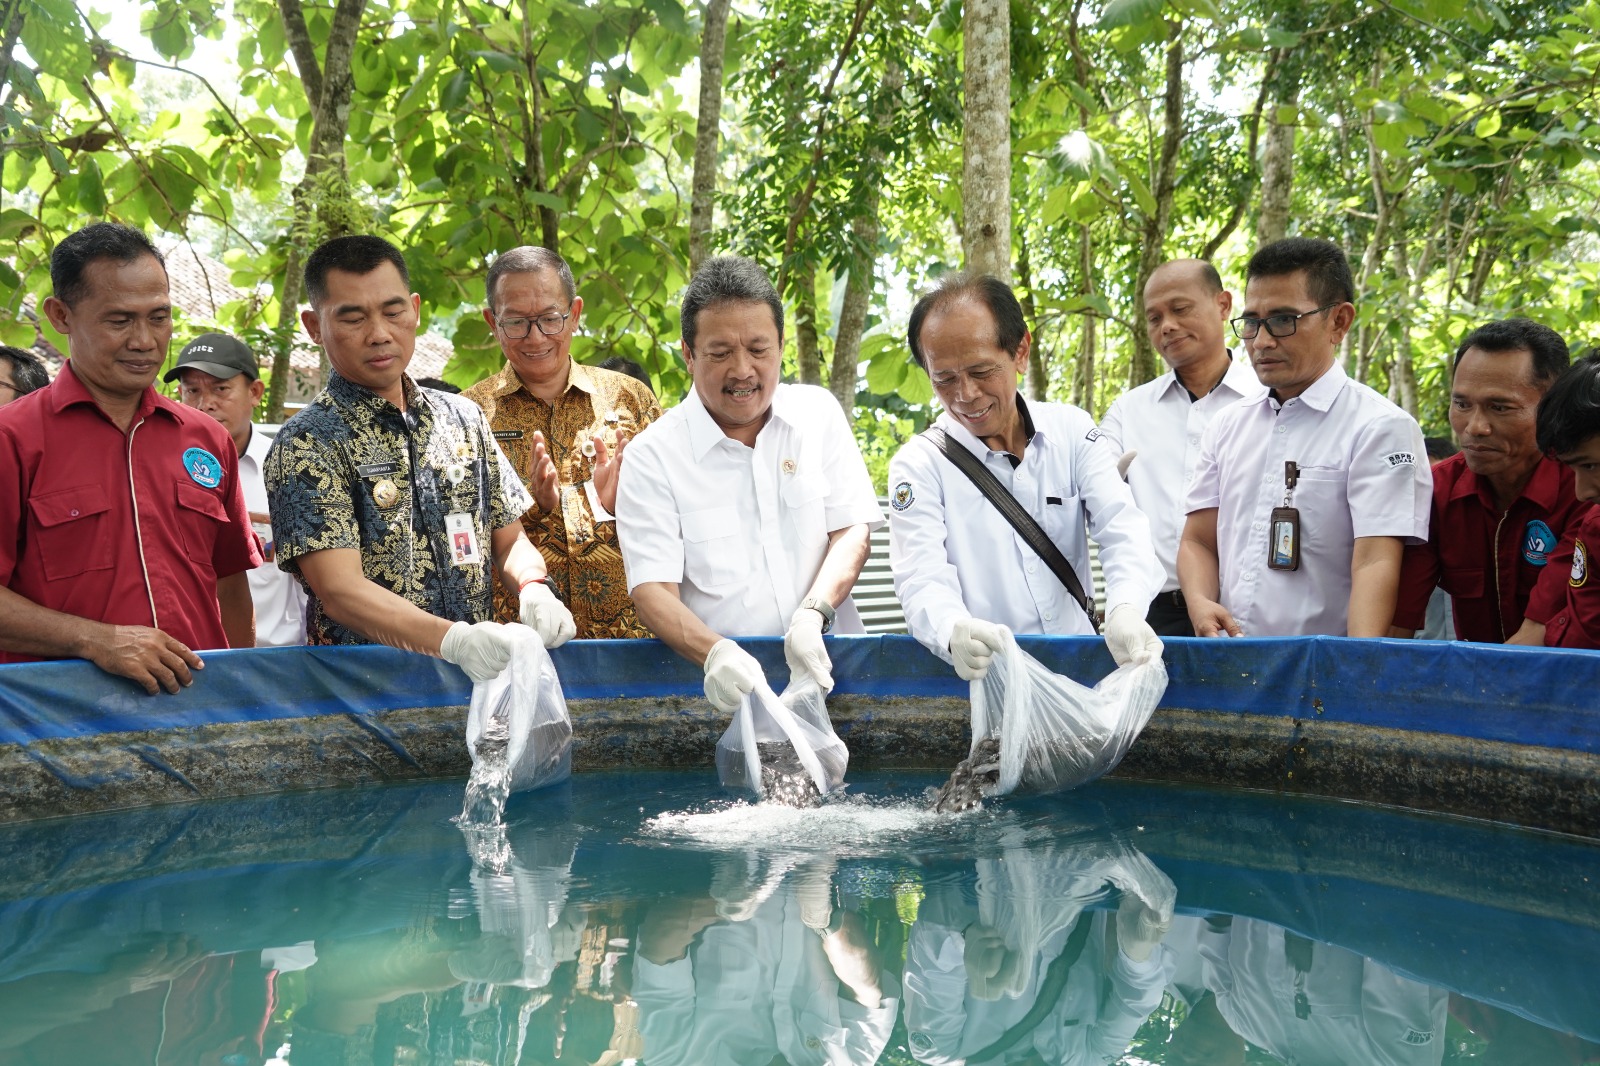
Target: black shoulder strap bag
(996,493)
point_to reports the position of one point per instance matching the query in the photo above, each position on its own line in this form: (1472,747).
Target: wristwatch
(822,607)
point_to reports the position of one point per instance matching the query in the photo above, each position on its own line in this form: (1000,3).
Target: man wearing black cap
(221,377)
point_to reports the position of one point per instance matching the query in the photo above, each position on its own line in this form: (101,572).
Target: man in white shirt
(220,376)
(961,570)
(1305,495)
(1158,425)
(745,510)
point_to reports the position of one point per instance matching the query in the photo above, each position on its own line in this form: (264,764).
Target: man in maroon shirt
(1569,430)
(1499,506)
(124,537)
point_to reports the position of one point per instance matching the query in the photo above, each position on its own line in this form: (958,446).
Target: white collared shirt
(279,600)
(743,531)
(1161,423)
(954,555)
(1363,473)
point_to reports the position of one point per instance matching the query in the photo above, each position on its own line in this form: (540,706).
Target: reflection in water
(626,920)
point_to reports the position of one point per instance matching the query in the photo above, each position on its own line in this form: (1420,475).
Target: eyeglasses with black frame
(1246,327)
(518,328)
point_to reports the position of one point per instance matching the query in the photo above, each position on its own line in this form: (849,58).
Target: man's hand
(546,615)
(992,967)
(731,672)
(607,470)
(973,642)
(146,656)
(1124,461)
(1211,619)
(1130,638)
(543,481)
(1139,928)
(482,649)
(804,650)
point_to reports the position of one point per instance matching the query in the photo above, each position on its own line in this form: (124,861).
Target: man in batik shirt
(563,425)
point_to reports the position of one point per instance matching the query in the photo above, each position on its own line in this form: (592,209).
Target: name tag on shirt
(508,434)
(377,469)
(463,536)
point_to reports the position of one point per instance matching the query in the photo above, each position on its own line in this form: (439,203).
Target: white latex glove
(482,649)
(1125,461)
(1139,929)
(1130,638)
(973,642)
(804,650)
(730,673)
(546,615)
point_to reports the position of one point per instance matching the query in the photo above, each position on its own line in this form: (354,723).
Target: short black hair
(952,288)
(356,254)
(528,259)
(96,241)
(27,370)
(437,385)
(1569,414)
(1327,270)
(726,279)
(1549,351)
(629,367)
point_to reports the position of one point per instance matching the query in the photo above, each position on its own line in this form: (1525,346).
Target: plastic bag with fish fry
(527,700)
(795,735)
(1054,733)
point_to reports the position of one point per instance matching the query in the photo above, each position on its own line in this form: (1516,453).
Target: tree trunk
(702,196)
(1152,250)
(805,326)
(322,192)
(1038,371)
(535,172)
(986,144)
(1277,171)
(1083,389)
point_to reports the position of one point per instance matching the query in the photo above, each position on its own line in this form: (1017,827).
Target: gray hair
(727,279)
(529,259)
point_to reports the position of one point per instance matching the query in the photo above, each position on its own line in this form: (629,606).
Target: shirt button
(1278,430)
(813,1043)
(1030,568)
(1048,616)
(73,513)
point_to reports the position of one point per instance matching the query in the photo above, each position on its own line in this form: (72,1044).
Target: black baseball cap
(216,354)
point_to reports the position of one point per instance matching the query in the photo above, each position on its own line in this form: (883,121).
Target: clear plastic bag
(525,709)
(799,719)
(1054,733)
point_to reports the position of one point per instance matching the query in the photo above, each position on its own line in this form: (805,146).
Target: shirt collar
(258,447)
(345,391)
(69,390)
(969,441)
(1321,393)
(1543,489)
(1239,379)
(506,381)
(704,433)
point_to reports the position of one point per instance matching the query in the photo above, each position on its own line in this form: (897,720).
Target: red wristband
(534,581)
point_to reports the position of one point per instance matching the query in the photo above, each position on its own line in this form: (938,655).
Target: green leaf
(1055,205)
(1129,13)
(1488,125)
(916,387)
(17,225)
(886,371)
(546,199)
(455,91)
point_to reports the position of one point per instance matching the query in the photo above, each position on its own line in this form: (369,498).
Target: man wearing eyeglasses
(21,372)
(564,426)
(1157,427)
(1305,496)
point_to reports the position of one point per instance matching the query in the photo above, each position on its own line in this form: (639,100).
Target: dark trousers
(1169,617)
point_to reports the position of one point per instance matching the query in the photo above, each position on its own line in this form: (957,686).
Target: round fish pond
(646,917)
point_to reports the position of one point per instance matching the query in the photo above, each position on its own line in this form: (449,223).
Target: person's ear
(1340,319)
(59,314)
(258,389)
(1022,352)
(312,323)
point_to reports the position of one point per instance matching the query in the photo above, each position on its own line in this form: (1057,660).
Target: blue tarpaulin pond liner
(1499,732)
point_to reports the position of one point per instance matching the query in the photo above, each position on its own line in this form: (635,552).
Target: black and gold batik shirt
(351,470)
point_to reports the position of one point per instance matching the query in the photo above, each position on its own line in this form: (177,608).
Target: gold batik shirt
(580,552)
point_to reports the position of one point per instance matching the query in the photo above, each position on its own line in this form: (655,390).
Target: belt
(1172,599)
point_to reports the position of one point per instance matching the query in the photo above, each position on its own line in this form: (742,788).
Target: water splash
(843,826)
(490,783)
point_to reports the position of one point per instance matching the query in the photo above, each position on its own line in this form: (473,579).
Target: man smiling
(961,569)
(1499,505)
(745,510)
(1305,496)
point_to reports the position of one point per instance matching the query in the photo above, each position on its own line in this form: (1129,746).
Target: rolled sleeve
(236,549)
(649,526)
(925,580)
(1419,574)
(1390,487)
(1205,492)
(851,500)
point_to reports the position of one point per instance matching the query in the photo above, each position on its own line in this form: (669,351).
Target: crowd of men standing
(1260,493)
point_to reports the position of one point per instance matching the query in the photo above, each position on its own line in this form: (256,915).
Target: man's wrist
(541,580)
(822,607)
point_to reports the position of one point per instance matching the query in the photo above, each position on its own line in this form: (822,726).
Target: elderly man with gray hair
(564,426)
(745,511)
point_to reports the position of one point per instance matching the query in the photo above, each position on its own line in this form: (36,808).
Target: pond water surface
(650,918)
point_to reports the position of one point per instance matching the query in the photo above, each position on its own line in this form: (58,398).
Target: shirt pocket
(1322,497)
(201,521)
(75,528)
(1465,583)
(714,553)
(803,499)
(1064,522)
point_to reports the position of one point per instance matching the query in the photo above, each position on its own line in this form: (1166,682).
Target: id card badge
(1283,547)
(463,536)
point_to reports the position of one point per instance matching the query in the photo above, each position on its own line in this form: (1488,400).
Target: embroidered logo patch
(1092,435)
(902,497)
(1580,565)
(1400,459)
(202,467)
(1538,541)
(1418,1037)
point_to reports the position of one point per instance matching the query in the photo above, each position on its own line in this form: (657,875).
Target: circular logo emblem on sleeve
(1538,541)
(902,497)
(203,467)
(1580,565)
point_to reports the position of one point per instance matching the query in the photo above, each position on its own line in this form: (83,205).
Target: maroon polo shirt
(1572,620)
(127,528)
(1493,565)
